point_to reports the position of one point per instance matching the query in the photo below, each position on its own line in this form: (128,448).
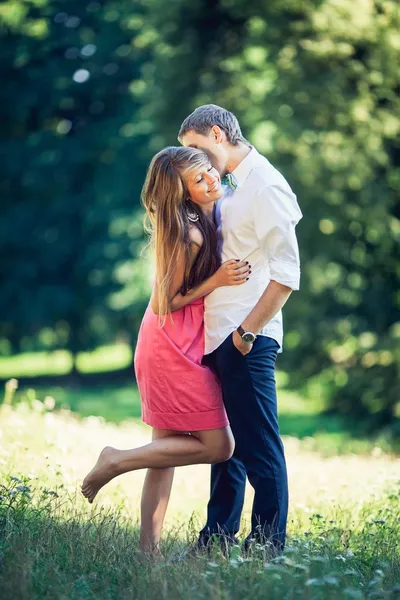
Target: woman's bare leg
(155,498)
(213,446)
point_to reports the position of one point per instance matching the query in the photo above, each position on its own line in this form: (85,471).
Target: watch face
(248,337)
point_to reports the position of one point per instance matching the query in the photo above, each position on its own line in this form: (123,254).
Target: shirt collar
(244,168)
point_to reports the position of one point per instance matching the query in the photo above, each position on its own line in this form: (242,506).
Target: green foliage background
(91,90)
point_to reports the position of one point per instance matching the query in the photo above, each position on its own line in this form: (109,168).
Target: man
(243,326)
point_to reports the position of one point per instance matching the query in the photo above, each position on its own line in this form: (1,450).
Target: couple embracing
(222,220)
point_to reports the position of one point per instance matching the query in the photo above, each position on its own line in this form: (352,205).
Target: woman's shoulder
(195,236)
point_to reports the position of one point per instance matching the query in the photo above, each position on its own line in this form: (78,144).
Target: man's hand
(240,344)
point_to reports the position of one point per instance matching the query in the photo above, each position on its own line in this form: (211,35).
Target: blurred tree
(331,121)
(95,89)
(316,88)
(73,161)
(335,133)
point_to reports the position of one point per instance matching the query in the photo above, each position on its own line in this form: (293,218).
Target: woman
(181,398)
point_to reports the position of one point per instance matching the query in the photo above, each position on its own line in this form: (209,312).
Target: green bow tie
(229,180)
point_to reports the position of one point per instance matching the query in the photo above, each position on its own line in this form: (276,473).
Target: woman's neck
(208,210)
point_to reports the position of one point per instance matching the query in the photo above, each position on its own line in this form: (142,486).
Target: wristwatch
(247,336)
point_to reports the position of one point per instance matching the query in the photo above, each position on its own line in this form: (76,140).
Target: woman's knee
(223,454)
(223,450)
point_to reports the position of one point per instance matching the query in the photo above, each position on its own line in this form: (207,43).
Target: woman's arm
(205,287)
(177,280)
(231,272)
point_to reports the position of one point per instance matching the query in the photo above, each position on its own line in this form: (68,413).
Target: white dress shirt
(256,222)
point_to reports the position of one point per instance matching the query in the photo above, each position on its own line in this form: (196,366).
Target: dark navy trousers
(249,391)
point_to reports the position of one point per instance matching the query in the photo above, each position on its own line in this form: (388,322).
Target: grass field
(104,358)
(300,416)
(344,524)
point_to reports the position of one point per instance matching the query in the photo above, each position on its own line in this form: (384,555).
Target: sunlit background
(91,90)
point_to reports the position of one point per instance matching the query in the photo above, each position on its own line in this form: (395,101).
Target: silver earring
(192,215)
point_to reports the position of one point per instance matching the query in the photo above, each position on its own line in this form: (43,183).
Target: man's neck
(236,155)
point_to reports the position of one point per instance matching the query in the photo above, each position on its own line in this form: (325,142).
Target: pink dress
(176,390)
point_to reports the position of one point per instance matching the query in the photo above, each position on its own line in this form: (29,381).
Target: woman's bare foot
(152,554)
(103,471)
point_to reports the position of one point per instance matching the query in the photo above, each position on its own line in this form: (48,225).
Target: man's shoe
(255,545)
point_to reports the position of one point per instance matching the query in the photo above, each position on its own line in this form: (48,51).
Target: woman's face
(204,185)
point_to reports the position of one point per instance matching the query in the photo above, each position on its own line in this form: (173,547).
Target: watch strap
(240,330)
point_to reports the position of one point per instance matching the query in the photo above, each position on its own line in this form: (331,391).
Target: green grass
(342,543)
(28,364)
(344,520)
(51,550)
(298,417)
(115,403)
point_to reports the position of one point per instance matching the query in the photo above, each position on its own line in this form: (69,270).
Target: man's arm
(276,214)
(271,302)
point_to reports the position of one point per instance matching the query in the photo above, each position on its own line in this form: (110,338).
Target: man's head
(214,130)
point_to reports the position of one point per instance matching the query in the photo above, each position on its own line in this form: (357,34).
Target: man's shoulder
(265,175)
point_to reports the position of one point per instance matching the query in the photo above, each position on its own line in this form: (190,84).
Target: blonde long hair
(165,198)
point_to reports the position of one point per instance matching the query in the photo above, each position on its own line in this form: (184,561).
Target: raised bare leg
(213,446)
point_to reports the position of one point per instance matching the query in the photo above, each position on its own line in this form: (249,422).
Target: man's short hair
(205,117)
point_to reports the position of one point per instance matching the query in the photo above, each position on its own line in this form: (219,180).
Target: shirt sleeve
(276,216)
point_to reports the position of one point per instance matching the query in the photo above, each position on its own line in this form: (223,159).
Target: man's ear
(218,134)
